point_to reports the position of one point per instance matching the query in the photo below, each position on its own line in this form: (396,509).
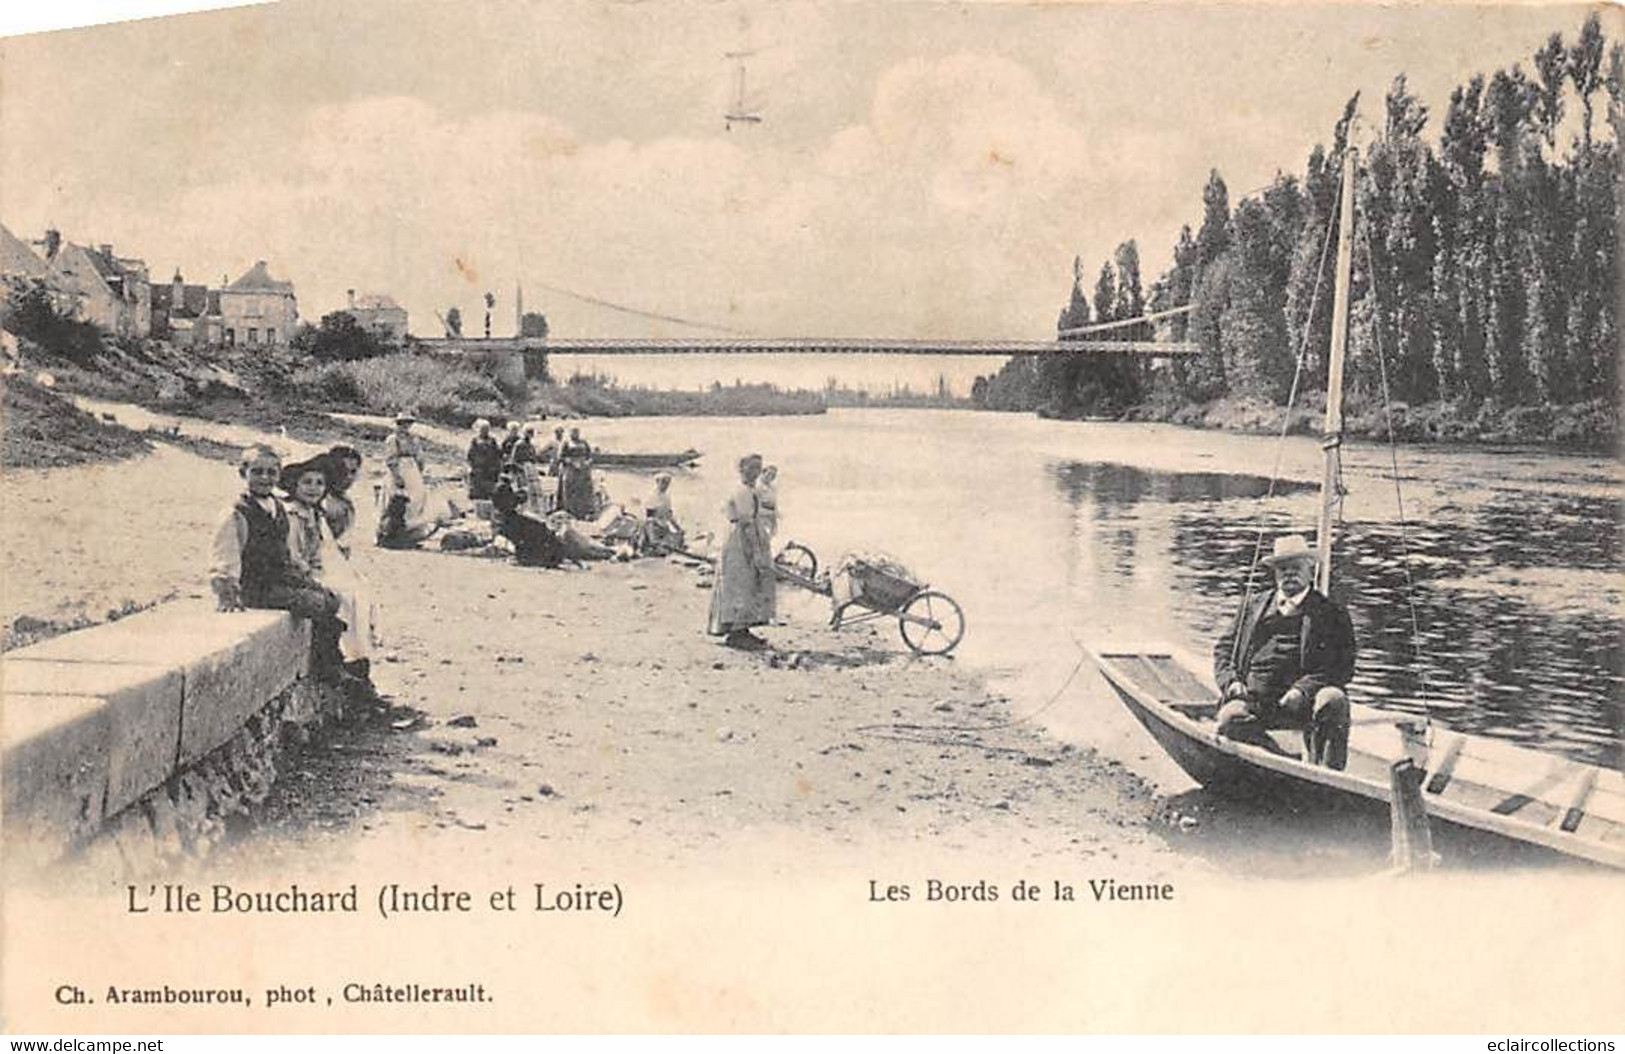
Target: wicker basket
(878,587)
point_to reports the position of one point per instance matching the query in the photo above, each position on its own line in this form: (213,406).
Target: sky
(921,170)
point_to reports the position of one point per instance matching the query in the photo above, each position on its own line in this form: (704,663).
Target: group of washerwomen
(293,555)
(744,593)
(565,460)
(510,476)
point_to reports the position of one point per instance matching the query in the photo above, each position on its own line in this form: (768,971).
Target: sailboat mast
(1332,431)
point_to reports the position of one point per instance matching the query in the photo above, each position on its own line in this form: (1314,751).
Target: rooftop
(258,280)
(16,257)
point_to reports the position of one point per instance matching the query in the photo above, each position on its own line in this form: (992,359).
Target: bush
(1587,426)
(334,382)
(31,313)
(340,338)
(438,389)
(602,397)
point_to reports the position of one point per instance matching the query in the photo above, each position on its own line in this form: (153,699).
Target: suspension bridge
(799,346)
(528,355)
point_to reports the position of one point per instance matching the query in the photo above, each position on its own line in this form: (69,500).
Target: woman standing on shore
(484,462)
(767,494)
(743,595)
(575,479)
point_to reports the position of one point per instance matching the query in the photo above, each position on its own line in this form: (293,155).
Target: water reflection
(1106,485)
(1483,660)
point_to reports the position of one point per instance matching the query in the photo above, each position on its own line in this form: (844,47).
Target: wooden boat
(605,459)
(1473,783)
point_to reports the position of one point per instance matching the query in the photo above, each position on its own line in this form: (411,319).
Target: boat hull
(1491,789)
(612,460)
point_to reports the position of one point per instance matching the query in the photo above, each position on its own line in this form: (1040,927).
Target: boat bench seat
(1198,709)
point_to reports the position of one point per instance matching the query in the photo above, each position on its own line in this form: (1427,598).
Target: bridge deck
(806,346)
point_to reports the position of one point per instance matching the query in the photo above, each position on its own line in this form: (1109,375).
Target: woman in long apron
(406,520)
(575,479)
(744,593)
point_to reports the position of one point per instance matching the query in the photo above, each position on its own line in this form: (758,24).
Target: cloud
(952,208)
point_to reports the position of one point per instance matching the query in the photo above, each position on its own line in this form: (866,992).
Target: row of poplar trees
(1484,266)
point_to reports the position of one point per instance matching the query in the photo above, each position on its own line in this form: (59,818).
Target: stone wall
(143,736)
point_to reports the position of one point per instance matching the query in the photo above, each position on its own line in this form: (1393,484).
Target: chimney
(53,242)
(350,295)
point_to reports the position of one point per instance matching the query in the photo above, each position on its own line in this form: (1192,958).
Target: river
(1053,534)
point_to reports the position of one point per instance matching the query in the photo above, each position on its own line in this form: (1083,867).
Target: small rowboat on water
(1472,783)
(605,459)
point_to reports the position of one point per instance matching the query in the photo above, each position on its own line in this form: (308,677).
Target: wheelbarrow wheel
(931,623)
(800,559)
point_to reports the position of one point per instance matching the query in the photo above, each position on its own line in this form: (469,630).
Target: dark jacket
(484,466)
(1326,652)
(534,543)
(522,452)
(266,564)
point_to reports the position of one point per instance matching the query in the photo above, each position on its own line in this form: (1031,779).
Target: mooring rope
(963,734)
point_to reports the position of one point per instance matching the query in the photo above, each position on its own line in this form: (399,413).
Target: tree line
(1484,274)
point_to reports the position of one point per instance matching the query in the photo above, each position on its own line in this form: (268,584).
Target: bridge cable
(639,312)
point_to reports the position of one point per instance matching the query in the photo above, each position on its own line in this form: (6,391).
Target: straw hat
(291,472)
(1289,547)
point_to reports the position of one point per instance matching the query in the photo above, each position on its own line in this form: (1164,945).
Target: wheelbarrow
(864,590)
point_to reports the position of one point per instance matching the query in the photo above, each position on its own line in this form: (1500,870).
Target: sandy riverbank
(587,713)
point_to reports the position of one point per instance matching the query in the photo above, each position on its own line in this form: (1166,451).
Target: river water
(1054,534)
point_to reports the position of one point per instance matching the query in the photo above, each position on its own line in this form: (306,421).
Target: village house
(96,285)
(186,315)
(258,309)
(379,314)
(19,264)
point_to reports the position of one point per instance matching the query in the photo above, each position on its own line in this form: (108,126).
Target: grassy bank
(450,393)
(1589,427)
(602,397)
(44,430)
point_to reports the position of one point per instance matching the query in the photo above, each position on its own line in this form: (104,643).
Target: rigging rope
(1399,495)
(639,312)
(1286,424)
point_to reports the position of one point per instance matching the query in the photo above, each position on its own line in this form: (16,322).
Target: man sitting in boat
(1286,661)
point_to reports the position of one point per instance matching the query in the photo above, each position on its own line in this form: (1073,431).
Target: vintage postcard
(819,517)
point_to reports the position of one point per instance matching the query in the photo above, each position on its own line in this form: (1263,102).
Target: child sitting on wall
(344,464)
(252,567)
(313,550)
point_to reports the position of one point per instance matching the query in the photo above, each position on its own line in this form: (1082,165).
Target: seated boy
(252,567)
